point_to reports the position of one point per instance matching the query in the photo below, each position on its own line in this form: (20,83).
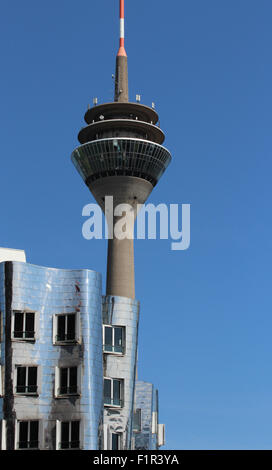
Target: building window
(69,435)
(113,392)
(24,325)
(114,339)
(67,381)
(116,441)
(26,380)
(137,420)
(66,328)
(28,435)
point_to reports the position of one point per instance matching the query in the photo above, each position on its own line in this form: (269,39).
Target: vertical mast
(122,51)
(121,75)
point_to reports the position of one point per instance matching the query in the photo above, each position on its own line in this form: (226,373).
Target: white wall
(9,254)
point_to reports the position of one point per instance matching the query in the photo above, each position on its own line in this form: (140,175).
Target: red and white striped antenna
(122,51)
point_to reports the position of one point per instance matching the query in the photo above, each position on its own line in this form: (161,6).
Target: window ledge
(25,394)
(24,340)
(113,406)
(114,353)
(68,395)
(66,343)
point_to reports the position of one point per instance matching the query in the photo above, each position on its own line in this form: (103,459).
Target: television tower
(121,155)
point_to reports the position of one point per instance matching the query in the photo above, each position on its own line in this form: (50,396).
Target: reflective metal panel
(146,399)
(121,311)
(49,292)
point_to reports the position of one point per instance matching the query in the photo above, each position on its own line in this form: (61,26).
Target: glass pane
(34,434)
(137,420)
(29,325)
(107,391)
(61,328)
(108,338)
(74,444)
(65,435)
(32,379)
(63,380)
(116,392)
(21,379)
(18,324)
(115,441)
(118,339)
(73,380)
(23,429)
(71,327)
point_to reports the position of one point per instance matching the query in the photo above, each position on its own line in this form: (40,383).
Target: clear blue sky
(205,331)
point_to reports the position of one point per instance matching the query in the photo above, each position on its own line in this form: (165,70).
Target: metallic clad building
(35,360)
(118,419)
(148,433)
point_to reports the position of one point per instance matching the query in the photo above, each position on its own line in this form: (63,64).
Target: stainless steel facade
(48,292)
(121,311)
(150,434)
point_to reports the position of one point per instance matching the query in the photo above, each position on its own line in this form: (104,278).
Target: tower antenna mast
(121,74)
(122,51)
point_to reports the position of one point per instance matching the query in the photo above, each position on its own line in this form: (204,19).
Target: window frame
(17,433)
(36,326)
(59,432)
(113,327)
(58,379)
(38,381)
(121,399)
(77,338)
(3,434)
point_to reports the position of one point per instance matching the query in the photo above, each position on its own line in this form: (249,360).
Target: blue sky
(205,329)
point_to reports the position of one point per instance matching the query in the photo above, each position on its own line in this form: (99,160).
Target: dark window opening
(68,381)
(24,325)
(28,435)
(115,441)
(70,435)
(66,327)
(27,380)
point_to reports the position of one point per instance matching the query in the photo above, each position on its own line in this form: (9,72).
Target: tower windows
(27,380)
(114,339)
(113,392)
(23,325)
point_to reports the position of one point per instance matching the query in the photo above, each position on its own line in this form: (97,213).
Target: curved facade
(53,376)
(121,366)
